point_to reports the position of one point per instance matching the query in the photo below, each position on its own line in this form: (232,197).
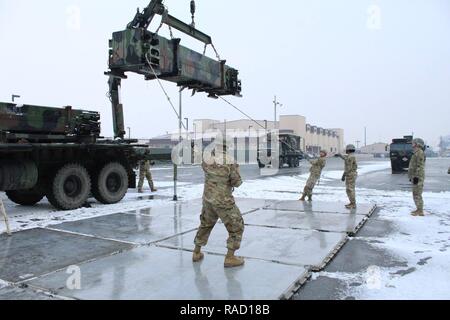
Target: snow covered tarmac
(393,256)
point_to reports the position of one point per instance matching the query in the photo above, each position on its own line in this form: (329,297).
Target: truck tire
(111,184)
(291,163)
(70,187)
(24,197)
(261,165)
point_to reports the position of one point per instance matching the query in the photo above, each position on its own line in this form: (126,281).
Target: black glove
(416,181)
(344,177)
(152,163)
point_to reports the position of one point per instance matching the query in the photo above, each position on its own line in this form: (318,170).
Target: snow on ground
(423,242)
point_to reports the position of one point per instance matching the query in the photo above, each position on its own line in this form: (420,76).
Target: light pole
(195,130)
(187,124)
(276,104)
(365,136)
(180,140)
(14,96)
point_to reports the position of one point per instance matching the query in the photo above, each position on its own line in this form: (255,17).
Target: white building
(376,149)
(314,138)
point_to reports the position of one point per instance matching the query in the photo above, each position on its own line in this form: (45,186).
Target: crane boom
(140,51)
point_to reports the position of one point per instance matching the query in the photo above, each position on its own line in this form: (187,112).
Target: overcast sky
(384,64)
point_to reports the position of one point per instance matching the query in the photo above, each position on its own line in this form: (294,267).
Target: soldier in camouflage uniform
(221,177)
(417,175)
(350,175)
(316,172)
(144,173)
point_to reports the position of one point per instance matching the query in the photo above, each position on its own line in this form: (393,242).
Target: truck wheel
(111,184)
(70,187)
(24,197)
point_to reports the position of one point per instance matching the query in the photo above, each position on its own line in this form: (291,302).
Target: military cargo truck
(58,153)
(401,152)
(289,153)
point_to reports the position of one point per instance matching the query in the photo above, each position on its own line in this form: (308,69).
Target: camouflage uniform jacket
(220,181)
(317,166)
(417,165)
(351,167)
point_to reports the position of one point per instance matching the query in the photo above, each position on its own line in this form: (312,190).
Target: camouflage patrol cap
(419,142)
(350,147)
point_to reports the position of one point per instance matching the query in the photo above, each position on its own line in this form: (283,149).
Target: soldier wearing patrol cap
(417,175)
(350,174)
(222,175)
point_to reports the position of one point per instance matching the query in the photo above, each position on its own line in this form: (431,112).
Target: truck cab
(401,152)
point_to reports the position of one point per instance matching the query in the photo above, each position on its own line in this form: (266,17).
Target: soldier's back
(218,188)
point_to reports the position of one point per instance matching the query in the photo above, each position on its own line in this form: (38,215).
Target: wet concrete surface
(324,288)
(157,273)
(35,252)
(325,207)
(357,255)
(329,222)
(134,228)
(26,294)
(288,246)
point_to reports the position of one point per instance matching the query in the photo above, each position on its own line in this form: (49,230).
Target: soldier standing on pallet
(316,172)
(221,177)
(350,174)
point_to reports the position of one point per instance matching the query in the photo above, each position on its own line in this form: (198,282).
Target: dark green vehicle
(58,153)
(289,153)
(401,152)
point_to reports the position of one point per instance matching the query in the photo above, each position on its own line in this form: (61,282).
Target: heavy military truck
(401,152)
(289,153)
(58,153)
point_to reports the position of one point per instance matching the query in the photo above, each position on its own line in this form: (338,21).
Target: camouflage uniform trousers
(231,218)
(145,174)
(310,184)
(417,195)
(350,184)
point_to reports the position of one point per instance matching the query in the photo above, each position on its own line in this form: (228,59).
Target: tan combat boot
(351,206)
(152,187)
(418,213)
(303,198)
(198,256)
(233,262)
(140,191)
